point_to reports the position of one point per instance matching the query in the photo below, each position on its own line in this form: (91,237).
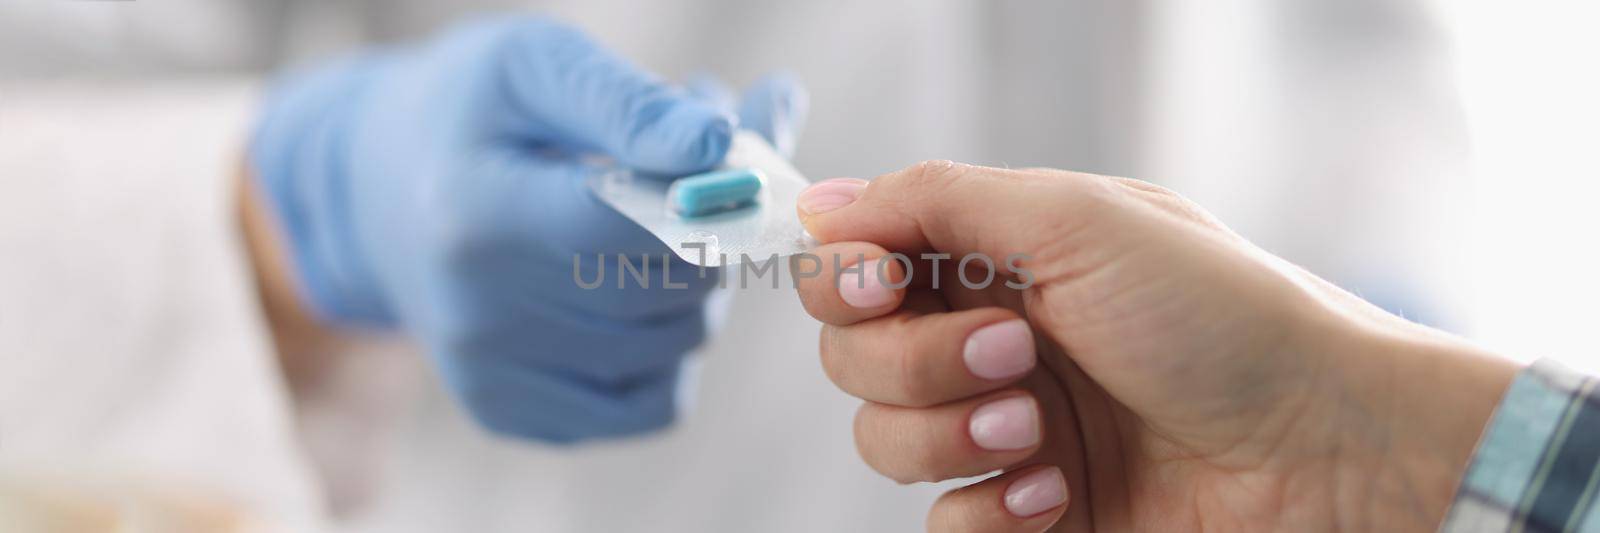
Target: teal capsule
(714,192)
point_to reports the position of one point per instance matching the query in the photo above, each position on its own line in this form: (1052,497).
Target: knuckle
(1095,194)
(919,463)
(915,375)
(1172,202)
(1142,185)
(927,179)
(866,444)
(907,177)
(832,360)
(904,460)
(951,512)
(930,172)
(531,40)
(932,168)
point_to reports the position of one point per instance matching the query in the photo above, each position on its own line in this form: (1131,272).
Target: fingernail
(1004,425)
(862,288)
(1036,493)
(999,351)
(828,195)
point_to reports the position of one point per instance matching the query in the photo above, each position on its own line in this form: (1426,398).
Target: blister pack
(742,211)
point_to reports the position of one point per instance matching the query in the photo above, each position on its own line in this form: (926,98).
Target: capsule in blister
(714,192)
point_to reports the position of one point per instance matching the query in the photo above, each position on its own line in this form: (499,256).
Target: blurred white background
(1531,93)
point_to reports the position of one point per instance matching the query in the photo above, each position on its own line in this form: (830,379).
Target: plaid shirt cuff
(1537,467)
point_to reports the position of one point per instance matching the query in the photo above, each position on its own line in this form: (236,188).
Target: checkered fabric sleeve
(1537,467)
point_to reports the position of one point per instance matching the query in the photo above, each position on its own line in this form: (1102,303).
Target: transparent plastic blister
(757,231)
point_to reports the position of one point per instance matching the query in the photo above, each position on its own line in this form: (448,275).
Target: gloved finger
(569,89)
(1026,500)
(855,282)
(542,200)
(958,439)
(543,224)
(537,250)
(776,106)
(609,347)
(712,91)
(916,360)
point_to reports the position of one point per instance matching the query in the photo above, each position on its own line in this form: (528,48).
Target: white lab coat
(1322,130)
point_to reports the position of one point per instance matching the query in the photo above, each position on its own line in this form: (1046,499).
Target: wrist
(299,163)
(1426,397)
(301,342)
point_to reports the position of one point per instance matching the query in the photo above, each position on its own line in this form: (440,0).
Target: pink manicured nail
(828,195)
(1004,425)
(862,288)
(999,351)
(1036,493)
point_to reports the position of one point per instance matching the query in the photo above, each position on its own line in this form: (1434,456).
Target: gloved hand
(440,189)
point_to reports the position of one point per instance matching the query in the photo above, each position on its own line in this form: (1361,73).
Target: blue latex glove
(440,189)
